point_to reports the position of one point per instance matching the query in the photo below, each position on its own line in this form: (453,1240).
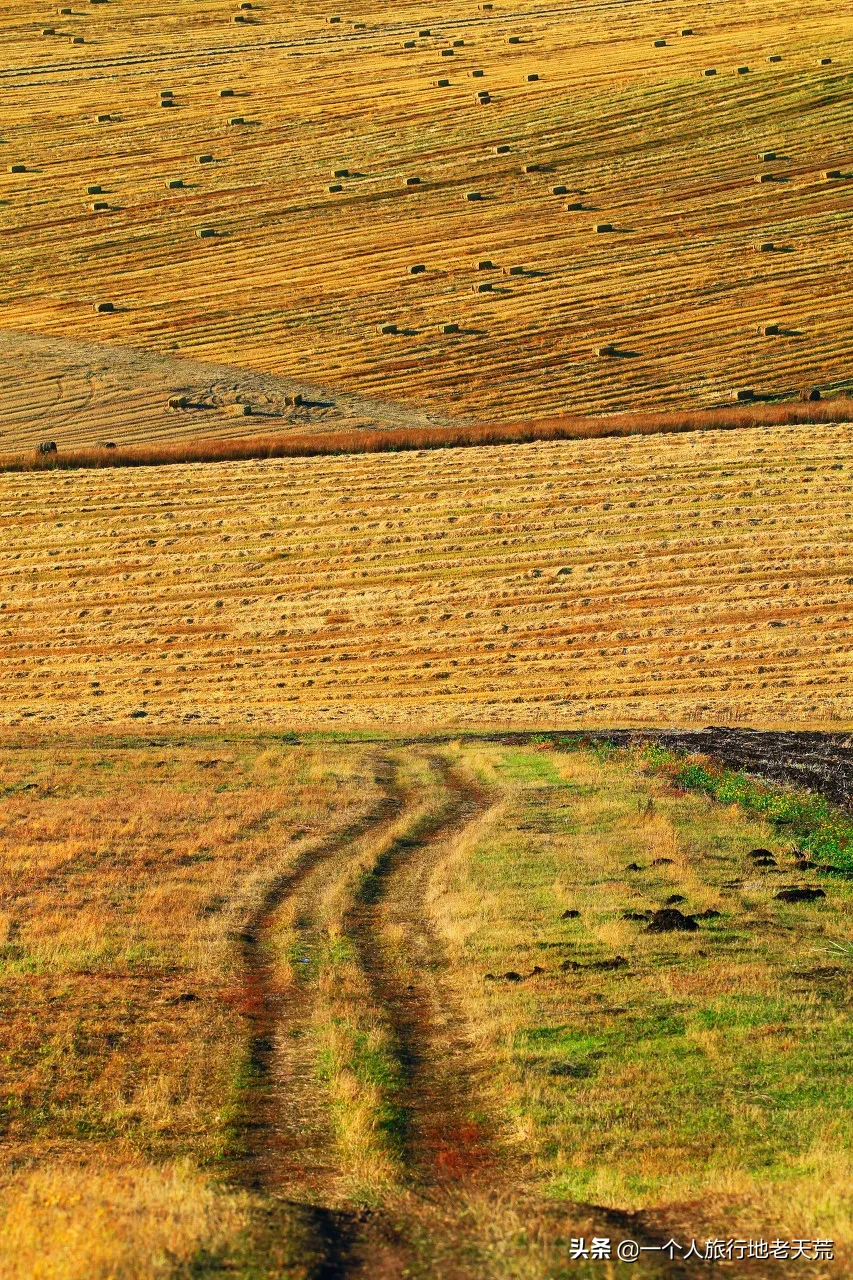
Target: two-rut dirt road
(290,1149)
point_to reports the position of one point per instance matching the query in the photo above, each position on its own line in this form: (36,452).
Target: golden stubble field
(297,277)
(639,581)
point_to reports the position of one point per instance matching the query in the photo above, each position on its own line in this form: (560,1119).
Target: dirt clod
(804,893)
(670,920)
(570,915)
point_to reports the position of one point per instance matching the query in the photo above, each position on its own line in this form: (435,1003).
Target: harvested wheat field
(280,228)
(649,580)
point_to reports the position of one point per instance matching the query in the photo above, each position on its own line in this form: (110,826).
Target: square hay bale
(206,233)
(77,40)
(573,206)
(531,168)
(238,17)
(768,330)
(426,32)
(447,53)
(64,12)
(166,93)
(333,21)
(559,190)
(17,168)
(531,76)
(418,269)
(340,173)
(178,402)
(482,286)
(745,394)
(48,31)
(764,246)
(97,206)
(166,102)
(607,349)
(603,227)
(502,150)
(206,158)
(413,182)
(104,117)
(94,189)
(442,84)
(764,177)
(513,39)
(226,93)
(448,328)
(687,31)
(484,101)
(775,57)
(241,410)
(832,173)
(767,155)
(458,44)
(709,71)
(485,264)
(410,44)
(387,328)
(174,184)
(476,75)
(660,44)
(246,4)
(473,195)
(513,271)
(742,71)
(103,308)
(360,26)
(486,7)
(335,187)
(824,62)
(236,120)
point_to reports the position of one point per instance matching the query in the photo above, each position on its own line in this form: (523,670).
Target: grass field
(240,988)
(297,278)
(638,581)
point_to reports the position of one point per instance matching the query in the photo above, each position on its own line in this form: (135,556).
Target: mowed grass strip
(127,870)
(637,581)
(703,1074)
(298,280)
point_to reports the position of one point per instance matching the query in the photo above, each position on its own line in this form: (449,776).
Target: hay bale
(359,26)
(178,402)
(602,227)
(104,117)
(442,84)
(811,394)
(513,39)
(687,31)
(98,205)
(226,93)
(765,177)
(767,155)
(559,190)
(236,120)
(573,206)
(502,150)
(48,31)
(824,62)
(448,328)
(477,75)
(709,71)
(333,21)
(531,77)
(531,168)
(94,190)
(485,264)
(166,102)
(764,246)
(104,307)
(335,186)
(410,44)
(241,410)
(413,182)
(107,444)
(64,12)
(418,269)
(174,184)
(246,4)
(486,7)
(745,394)
(340,173)
(482,286)
(513,271)
(426,32)
(47,446)
(832,173)
(473,195)
(775,57)
(205,159)
(768,330)
(387,328)
(608,349)
(166,93)
(206,233)
(742,71)
(17,168)
(458,44)
(660,44)
(77,40)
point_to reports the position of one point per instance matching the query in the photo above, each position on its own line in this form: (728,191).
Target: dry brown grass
(408,439)
(644,580)
(298,278)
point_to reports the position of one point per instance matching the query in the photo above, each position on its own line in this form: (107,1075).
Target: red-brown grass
(565,427)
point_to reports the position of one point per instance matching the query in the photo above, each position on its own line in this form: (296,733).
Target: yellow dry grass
(297,277)
(649,580)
